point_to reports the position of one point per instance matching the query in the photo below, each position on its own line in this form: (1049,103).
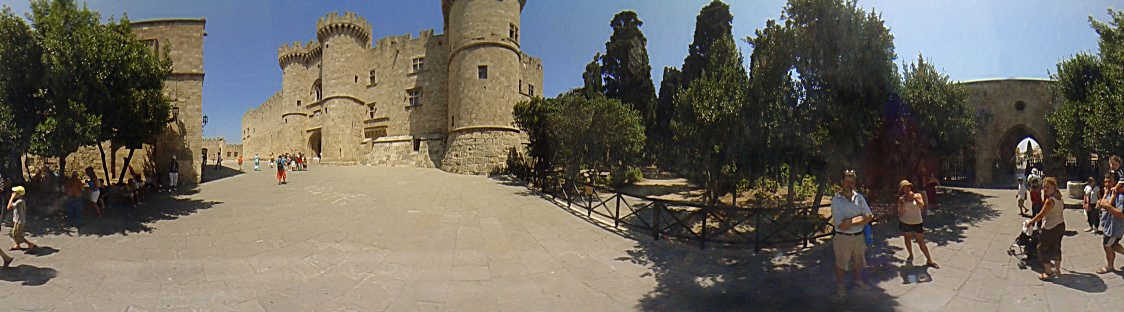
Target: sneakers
(1088,229)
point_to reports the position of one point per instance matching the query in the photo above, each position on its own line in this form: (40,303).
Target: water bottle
(868,234)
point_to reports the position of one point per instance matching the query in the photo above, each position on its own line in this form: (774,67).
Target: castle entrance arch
(315,142)
(1008,111)
(1010,162)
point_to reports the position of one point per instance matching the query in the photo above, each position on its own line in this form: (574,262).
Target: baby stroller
(1025,247)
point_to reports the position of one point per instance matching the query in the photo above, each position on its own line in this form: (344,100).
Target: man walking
(850,213)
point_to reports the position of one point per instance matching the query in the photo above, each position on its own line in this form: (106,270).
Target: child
(19,218)
(1021,196)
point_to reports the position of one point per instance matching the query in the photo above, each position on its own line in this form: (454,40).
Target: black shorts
(911,228)
(1109,241)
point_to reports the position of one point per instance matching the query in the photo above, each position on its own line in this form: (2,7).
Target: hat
(19,190)
(904,183)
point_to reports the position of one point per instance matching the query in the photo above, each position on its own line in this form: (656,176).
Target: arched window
(318,90)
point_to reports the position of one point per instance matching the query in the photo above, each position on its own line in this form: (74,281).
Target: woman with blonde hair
(1053,229)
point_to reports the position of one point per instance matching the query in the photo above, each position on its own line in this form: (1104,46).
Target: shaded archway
(314,142)
(1008,165)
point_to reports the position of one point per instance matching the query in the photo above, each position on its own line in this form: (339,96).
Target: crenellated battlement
(530,61)
(347,24)
(298,52)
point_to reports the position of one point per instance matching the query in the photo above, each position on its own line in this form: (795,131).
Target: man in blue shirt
(1112,221)
(849,213)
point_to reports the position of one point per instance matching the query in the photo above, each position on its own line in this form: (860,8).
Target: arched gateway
(1008,111)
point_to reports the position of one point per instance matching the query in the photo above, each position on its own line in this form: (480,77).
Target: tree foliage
(713,23)
(576,133)
(939,106)
(71,81)
(708,124)
(1091,118)
(625,67)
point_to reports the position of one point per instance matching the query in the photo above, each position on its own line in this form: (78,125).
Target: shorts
(94,194)
(850,250)
(1109,241)
(1035,208)
(911,228)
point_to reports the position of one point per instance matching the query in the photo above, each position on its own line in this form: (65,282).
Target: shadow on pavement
(41,250)
(28,275)
(210,173)
(119,218)
(795,279)
(1086,282)
(915,274)
(784,279)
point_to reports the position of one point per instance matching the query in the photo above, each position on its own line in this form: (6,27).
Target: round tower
(484,82)
(294,60)
(343,42)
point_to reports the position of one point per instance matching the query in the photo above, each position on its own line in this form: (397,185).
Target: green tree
(69,36)
(844,58)
(782,123)
(130,99)
(939,106)
(713,22)
(1091,118)
(591,78)
(533,118)
(664,111)
(708,124)
(625,67)
(21,61)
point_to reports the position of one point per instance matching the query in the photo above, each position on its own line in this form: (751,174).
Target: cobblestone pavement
(407,239)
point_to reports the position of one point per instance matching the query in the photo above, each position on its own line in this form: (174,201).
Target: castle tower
(484,82)
(294,60)
(343,41)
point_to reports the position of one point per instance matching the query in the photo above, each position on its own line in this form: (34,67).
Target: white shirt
(843,208)
(1022,190)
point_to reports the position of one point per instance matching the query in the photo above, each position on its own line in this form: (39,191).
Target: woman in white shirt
(911,223)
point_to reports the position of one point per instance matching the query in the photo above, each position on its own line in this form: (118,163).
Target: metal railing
(690,221)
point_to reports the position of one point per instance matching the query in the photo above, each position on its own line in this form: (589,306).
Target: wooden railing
(690,221)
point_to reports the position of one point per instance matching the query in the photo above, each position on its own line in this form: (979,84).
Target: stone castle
(435,100)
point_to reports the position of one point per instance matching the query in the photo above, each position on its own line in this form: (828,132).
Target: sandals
(1045,276)
(933,265)
(1105,270)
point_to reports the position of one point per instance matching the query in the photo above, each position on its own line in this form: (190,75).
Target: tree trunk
(125,167)
(104,167)
(26,169)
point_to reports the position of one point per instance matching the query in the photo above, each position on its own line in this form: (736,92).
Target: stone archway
(1007,111)
(1006,168)
(315,142)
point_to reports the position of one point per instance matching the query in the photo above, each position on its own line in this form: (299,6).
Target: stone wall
(479,152)
(1001,124)
(399,151)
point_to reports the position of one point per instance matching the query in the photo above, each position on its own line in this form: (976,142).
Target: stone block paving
(407,239)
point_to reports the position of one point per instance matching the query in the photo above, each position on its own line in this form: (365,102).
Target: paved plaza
(409,239)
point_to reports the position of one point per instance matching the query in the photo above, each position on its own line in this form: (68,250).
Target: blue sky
(967,39)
